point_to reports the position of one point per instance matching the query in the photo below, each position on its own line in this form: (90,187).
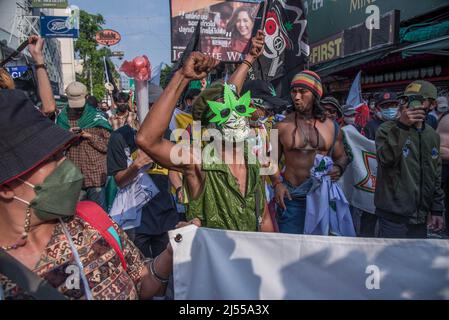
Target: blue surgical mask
(389,113)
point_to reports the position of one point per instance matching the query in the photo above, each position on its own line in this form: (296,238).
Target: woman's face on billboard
(244,24)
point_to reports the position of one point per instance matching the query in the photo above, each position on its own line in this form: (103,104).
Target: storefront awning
(438,46)
(351,61)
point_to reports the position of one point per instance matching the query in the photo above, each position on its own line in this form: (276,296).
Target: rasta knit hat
(309,80)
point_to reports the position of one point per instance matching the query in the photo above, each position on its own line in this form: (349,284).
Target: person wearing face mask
(123,113)
(223,194)
(408,197)
(386,109)
(46,235)
(349,115)
(88,153)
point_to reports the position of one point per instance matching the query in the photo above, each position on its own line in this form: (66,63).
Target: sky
(143,24)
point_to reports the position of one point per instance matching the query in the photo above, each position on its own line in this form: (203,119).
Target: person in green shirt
(221,195)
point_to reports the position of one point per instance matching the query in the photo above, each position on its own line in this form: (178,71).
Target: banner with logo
(17,71)
(359,180)
(217,264)
(226,26)
(59,27)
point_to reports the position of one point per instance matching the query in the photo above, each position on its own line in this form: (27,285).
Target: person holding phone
(88,153)
(409,198)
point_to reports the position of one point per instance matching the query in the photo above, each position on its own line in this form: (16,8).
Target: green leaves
(88,50)
(222,111)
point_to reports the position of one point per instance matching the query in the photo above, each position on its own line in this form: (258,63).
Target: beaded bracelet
(249,64)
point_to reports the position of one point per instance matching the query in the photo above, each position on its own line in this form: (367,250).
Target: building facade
(391,42)
(18,20)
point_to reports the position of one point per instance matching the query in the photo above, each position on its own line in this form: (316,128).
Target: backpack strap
(93,214)
(336,128)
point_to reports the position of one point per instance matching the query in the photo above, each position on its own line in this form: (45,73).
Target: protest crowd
(99,185)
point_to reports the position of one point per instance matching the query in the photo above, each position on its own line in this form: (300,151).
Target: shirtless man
(221,195)
(302,135)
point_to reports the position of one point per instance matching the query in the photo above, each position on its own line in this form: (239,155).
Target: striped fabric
(309,80)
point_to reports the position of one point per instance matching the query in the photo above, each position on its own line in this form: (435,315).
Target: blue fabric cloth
(292,219)
(327,210)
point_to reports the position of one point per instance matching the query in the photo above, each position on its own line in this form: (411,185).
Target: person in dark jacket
(408,189)
(386,109)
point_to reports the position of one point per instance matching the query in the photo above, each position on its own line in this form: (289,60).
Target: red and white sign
(107,37)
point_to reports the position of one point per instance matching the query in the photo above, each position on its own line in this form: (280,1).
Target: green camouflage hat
(422,88)
(200,108)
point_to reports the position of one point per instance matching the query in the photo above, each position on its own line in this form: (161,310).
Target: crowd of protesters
(48,169)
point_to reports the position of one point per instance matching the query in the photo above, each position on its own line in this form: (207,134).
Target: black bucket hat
(333,102)
(27,137)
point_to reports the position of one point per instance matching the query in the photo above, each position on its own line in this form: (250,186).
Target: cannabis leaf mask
(222,110)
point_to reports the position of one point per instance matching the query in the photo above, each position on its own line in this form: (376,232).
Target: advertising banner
(17,71)
(226,26)
(59,27)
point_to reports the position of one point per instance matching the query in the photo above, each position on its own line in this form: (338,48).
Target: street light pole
(90,78)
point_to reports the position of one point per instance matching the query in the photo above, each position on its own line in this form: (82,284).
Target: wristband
(249,64)
(40,65)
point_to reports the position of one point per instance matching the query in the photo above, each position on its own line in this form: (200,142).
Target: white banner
(217,264)
(359,180)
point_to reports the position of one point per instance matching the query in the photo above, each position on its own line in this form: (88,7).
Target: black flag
(286,43)
(193,45)
(110,76)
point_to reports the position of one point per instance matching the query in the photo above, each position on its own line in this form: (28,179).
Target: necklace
(23,238)
(306,137)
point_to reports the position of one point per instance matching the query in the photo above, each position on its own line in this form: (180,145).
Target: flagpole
(264,13)
(265,7)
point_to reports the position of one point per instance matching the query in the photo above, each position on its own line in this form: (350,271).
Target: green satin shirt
(221,204)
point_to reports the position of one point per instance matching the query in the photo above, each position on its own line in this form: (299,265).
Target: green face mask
(58,195)
(222,111)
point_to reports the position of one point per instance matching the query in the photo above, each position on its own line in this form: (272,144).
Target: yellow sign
(329,49)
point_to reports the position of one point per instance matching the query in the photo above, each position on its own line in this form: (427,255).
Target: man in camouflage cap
(408,196)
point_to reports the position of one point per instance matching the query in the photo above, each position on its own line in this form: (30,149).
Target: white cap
(76,94)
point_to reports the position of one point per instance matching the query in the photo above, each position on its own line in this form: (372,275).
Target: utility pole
(88,64)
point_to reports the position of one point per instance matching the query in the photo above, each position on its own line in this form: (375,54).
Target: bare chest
(307,136)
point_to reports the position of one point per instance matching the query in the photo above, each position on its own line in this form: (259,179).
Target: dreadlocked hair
(318,111)
(6,82)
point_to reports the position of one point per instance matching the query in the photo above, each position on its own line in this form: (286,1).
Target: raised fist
(198,65)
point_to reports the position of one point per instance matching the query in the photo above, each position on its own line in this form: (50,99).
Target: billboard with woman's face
(226,27)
